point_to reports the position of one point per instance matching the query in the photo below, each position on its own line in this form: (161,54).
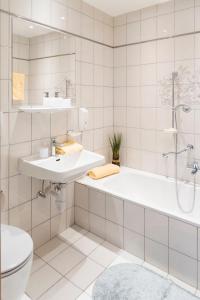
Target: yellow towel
(100,172)
(68,148)
(18,86)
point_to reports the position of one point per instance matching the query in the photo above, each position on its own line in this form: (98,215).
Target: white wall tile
(165,25)
(183,267)
(165,50)
(148,53)
(19,128)
(39,130)
(134,217)
(21,7)
(133,76)
(81,196)
(41,11)
(82,218)
(114,234)
(40,210)
(156,254)
(114,209)
(133,55)
(156,226)
(186,43)
(15,152)
(133,32)
(148,74)
(41,234)
(184,21)
(97,203)
(133,16)
(120,57)
(19,190)
(148,12)
(120,116)
(98,225)
(165,8)
(134,243)
(20,216)
(133,117)
(148,29)
(183,237)
(60,222)
(183,4)
(120,35)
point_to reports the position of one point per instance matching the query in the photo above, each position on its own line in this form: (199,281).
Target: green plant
(115,143)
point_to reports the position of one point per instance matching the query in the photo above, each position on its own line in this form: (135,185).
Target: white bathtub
(151,191)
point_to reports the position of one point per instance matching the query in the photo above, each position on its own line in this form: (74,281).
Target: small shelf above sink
(60,169)
(44,108)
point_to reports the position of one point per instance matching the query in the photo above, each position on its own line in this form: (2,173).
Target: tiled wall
(165,242)
(153,42)
(139,65)
(23,134)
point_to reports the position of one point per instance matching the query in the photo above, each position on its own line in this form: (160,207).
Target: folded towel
(68,148)
(100,172)
(18,86)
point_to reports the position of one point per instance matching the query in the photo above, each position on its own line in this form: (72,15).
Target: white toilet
(16,262)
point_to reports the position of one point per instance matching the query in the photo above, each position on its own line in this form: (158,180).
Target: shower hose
(176,179)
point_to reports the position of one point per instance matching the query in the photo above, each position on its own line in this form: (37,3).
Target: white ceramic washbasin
(59,168)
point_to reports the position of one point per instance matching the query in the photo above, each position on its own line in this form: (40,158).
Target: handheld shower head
(185,108)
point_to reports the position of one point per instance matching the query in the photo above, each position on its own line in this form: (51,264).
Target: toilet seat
(16,249)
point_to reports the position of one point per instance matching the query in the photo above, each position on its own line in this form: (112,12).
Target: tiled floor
(68,266)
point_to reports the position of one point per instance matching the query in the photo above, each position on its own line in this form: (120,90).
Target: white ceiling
(119,7)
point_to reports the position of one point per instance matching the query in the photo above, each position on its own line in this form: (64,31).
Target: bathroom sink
(60,169)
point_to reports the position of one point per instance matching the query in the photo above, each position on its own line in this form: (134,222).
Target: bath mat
(134,282)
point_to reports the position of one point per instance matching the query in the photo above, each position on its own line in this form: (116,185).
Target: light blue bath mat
(133,282)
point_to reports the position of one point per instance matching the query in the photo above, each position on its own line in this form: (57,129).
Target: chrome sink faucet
(54,144)
(53,147)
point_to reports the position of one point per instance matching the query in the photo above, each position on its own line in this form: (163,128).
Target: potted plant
(115,143)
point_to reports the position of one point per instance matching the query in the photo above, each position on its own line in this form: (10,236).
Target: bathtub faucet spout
(189,147)
(195,167)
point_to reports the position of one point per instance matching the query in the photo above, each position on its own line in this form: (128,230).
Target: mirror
(43,64)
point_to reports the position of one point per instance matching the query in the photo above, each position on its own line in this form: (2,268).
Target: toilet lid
(16,247)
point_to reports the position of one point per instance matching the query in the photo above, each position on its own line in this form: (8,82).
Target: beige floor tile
(52,248)
(62,290)
(66,260)
(72,234)
(130,258)
(88,243)
(105,254)
(89,290)
(41,280)
(126,257)
(84,296)
(85,273)
(37,263)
